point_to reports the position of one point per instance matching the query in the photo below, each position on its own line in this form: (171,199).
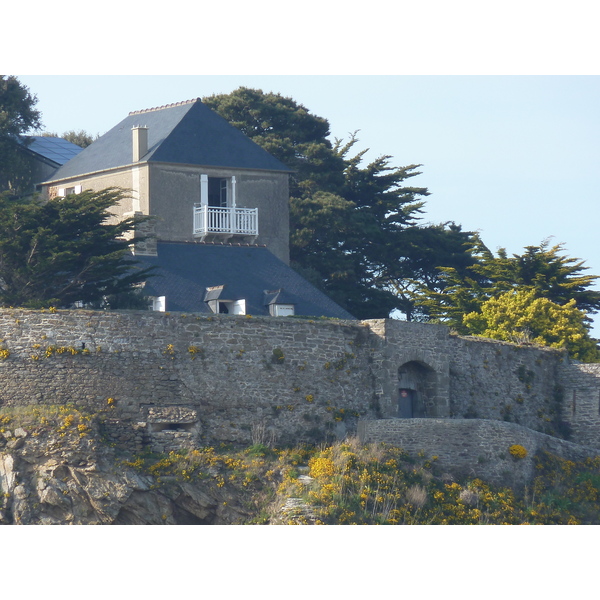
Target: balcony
(225,222)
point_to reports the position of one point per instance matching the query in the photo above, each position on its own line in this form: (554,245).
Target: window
(280,303)
(219,304)
(217,192)
(76,189)
(281,310)
(158,303)
(228,307)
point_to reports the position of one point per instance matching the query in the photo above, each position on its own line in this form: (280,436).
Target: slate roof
(185,133)
(55,149)
(185,271)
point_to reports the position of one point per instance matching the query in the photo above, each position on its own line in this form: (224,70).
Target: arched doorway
(416,390)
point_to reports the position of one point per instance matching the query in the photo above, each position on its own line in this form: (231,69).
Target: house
(46,154)
(220,205)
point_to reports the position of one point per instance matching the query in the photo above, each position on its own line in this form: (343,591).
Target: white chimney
(140,141)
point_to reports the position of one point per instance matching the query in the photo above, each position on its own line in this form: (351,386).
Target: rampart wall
(473,447)
(172,380)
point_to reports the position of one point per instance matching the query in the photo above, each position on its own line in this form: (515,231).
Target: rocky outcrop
(65,478)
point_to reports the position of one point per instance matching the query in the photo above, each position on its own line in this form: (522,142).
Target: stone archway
(417,390)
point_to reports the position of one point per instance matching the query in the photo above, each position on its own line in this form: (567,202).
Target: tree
(289,132)
(65,250)
(523,316)
(17,116)
(353,227)
(428,253)
(544,270)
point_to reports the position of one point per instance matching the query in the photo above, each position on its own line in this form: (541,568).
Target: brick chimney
(140,141)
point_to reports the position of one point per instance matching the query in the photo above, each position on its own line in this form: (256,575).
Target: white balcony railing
(232,221)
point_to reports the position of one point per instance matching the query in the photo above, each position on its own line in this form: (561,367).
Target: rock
(15,443)
(20,432)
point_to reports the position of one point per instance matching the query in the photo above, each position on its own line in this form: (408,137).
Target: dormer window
(158,303)
(281,310)
(280,304)
(221,305)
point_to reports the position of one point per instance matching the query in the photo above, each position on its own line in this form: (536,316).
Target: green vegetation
(40,418)
(522,317)
(355,233)
(541,296)
(64,251)
(353,225)
(17,116)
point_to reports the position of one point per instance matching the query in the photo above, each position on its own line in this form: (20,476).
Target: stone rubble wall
(581,392)
(175,380)
(473,447)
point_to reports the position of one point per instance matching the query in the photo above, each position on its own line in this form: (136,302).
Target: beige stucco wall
(169,192)
(134,186)
(175,189)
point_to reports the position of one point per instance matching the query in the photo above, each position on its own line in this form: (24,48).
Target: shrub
(517,451)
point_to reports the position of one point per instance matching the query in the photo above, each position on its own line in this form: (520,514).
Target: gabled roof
(54,149)
(185,271)
(184,133)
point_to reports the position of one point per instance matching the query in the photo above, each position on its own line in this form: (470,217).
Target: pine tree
(64,251)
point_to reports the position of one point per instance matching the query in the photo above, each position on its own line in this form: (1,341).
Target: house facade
(202,179)
(204,183)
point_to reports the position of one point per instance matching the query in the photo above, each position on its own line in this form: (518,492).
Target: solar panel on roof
(55,149)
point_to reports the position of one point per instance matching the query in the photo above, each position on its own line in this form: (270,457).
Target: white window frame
(75,189)
(282,310)
(159,303)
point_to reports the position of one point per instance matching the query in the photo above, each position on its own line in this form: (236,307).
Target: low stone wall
(472,447)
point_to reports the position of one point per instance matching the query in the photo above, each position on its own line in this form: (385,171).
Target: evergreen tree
(17,116)
(353,227)
(65,250)
(543,270)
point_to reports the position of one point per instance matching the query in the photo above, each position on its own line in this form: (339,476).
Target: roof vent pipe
(140,141)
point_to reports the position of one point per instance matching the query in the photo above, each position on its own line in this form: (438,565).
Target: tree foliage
(354,226)
(523,316)
(65,250)
(17,116)
(544,270)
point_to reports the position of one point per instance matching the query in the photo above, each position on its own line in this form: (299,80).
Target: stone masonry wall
(176,380)
(472,447)
(191,379)
(581,391)
(506,382)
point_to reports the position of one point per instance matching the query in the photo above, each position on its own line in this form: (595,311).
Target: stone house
(220,208)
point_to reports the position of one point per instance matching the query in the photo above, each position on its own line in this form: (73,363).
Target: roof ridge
(145,110)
